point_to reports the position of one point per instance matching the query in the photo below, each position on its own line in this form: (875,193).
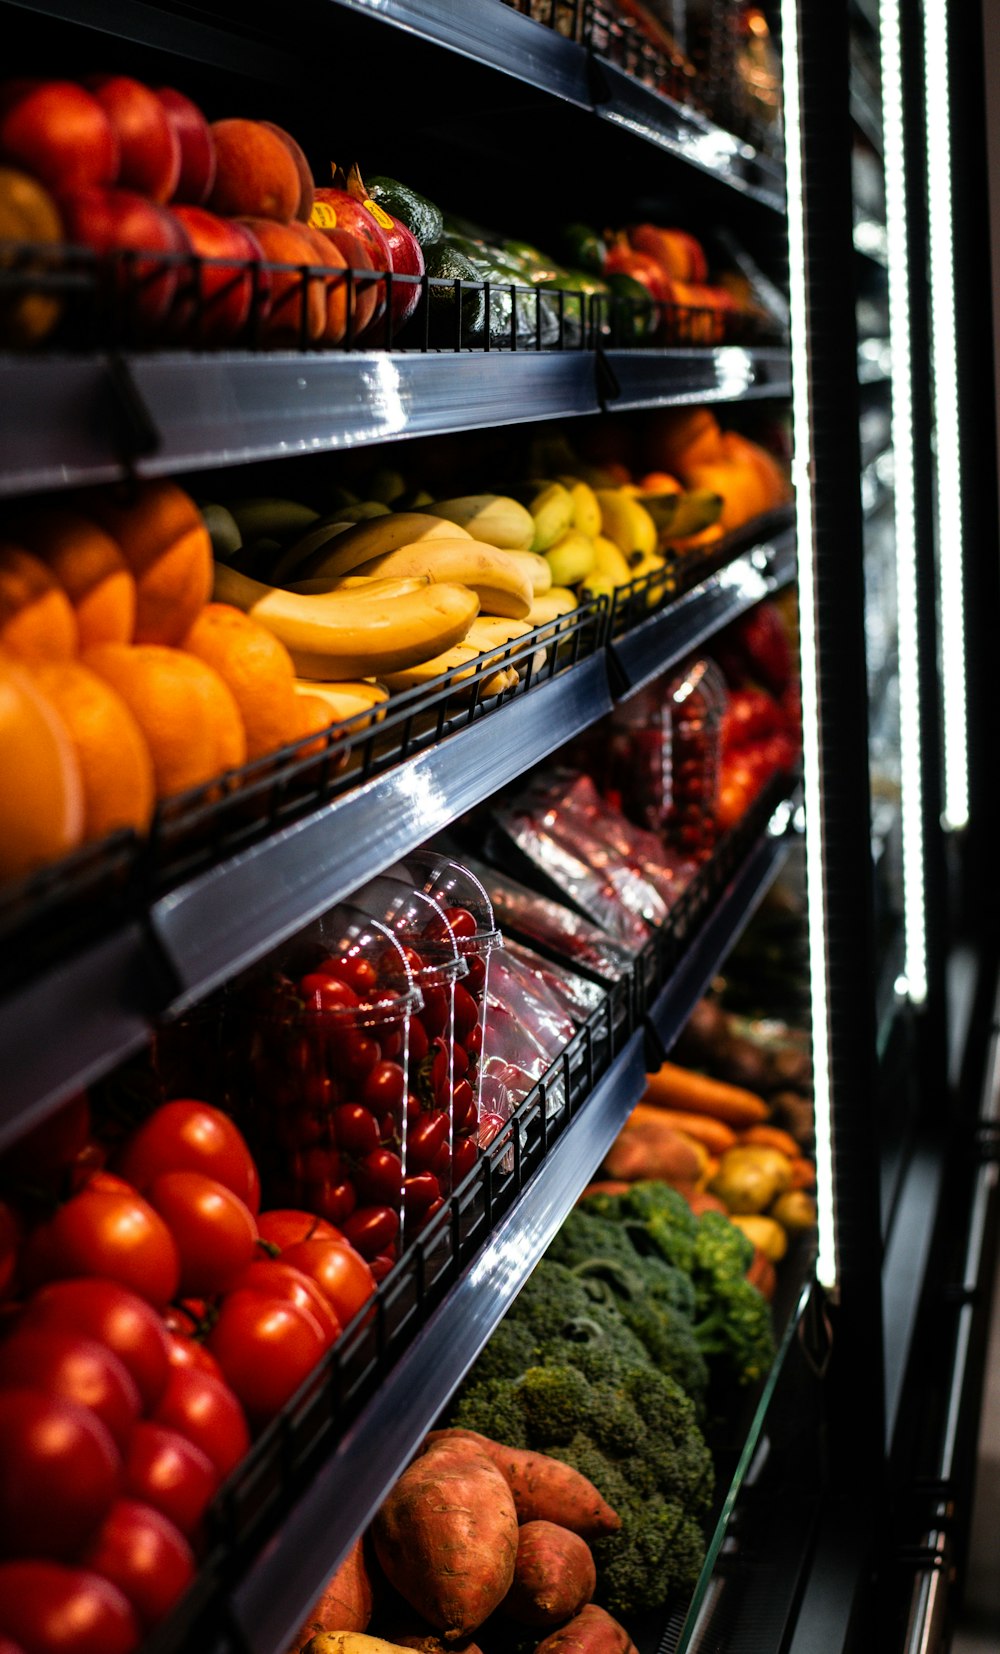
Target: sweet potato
(554,1576)
(655,1152)
(349,1642)
(803,1173)
(591,1631)
(544,1489)
(762,1274)
(446,1539)
(675,1087)
(346,1604)
(700,1201)
(714,1135)
(771,1137)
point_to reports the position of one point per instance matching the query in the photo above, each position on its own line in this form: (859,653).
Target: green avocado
(447,262)
(422,218)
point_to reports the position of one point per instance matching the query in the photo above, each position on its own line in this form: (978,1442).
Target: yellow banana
(461,655)
(598,585)
(496,579)
(535,567)
(611,563)
(571,558)
(552,605)
(625,521)
(586,506)
(348,698)
(326,551)
(353,634)
(496,519)
(551,506)
(652,565)
(375,587)
(697,509)
(487,631)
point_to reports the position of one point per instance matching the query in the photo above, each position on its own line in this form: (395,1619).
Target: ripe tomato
(189,1136)
(379,1177)
(335,1202)
(167,1471)
(355,1126)
(189,1352)
(278,1279)
(475,976)
(61,1470)
(372,1229)
(141,1552)
(214,1230)
(419,1043)
(466,1012)
(55,1610)
(339,1271)
(115,1317)
(384,1088)
(10,1244)
(49,1148)
(109,1232)
(284,1226)
(327,993)
(421,1191)
(207,1412)
(425,1138)
(61,1364)
(462,922)
(353,968)
(266,1347)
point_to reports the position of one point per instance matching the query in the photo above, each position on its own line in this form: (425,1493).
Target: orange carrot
(714,1134)
(772,1137)
(681,1088)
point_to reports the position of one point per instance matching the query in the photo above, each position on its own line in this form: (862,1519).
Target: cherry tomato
(61,1364)
(434,1015)
(355,1126)
(440,1067)
(463,1105)
(266,1347)
(355,1054)
(339,1271)
(189,1136)
(419,1043)
(459,1061)
(414,960)
(55,1610)
(378,1177)
(381,1265)
(141,1552)
(320,1092)
(474,1040)
(61,1471)
(119,1319)
(384,1088)
(50,1147)
(170,1473)
(334,1201)
(320,1166)
(283,1228)
(371,1229)
(463,1158)
(353,968)
(475,973)
(462,922)
(208,1414)
(110,1232)
(190,1352)
(214,1230)
(419,1191)
(432,1211)
(425,1139)
(327,993)
(466,1012)
(281,1280)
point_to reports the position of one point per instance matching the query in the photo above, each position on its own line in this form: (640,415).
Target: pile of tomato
(154,1320)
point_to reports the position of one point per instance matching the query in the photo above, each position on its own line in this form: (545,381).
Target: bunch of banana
(348,698)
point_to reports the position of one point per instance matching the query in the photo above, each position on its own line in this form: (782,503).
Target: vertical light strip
(911,780)
(826,1260)
(944,356)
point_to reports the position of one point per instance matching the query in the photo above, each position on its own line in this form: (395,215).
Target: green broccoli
(733,1328)
(585,1235)
(512,1348)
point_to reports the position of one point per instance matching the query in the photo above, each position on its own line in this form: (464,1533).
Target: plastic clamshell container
(327,1079)
(697,700)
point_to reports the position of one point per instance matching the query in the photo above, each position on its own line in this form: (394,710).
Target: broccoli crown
(511,1348)
(736,1329)
(720,1246)
(585,1235)
(492,1407)
(670,1342)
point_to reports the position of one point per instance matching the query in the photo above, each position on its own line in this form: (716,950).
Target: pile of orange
(690,445)
(121,684)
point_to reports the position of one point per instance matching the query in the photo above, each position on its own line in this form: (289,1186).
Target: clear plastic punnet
(328,1049)
(466,908)
(697,698)
(434,1059)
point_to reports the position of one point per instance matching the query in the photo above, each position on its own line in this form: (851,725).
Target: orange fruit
(678,438)
(190,720)
(257,668)
(90,568)
(738,483)
(36,618)
(313,716)
(41,804)
(166,545)
(659,482)
(115,764)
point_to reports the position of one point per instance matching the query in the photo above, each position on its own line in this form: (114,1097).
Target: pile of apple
(205,234)
(153,1320)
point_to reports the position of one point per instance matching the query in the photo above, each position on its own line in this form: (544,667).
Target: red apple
(120,222)
(59,133)
(368,296)
(149,147)
(219,307)
(197,174)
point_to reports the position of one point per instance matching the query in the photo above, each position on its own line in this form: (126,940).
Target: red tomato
(214,1229)
(10,1243)
(284,1226)
(108,1232)
(188,1136)
(421,1191)
(466,1012)
(141,1552)
(61,1364)
(434,1015)
(61,1470)
(425,1138)
(170,1473)
(278,1279)
(189,1352)
(379,1177)
(335,1202)
(383,1088)
(462,922)
(208,1413)
(372,1229)
(475,974)
(50,1609)
(116,1318)
(463,1105)
(327,993)
(419,1044)
(266,1348)
(353,968)
(339,1271)
(464,1158)
(49,1148)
